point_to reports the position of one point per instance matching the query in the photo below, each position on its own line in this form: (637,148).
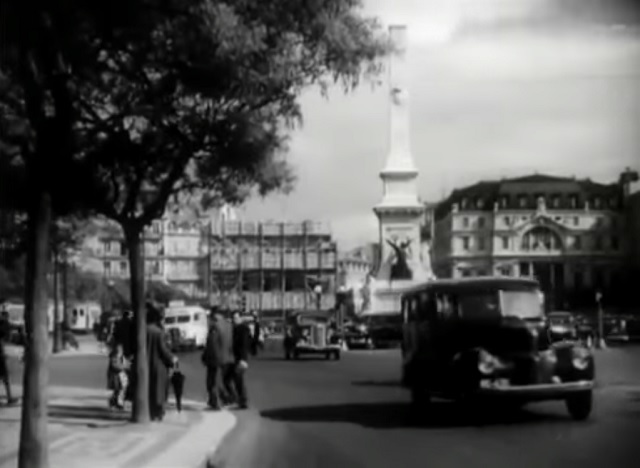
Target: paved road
(352,414)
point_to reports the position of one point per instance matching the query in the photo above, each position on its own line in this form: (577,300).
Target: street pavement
(352,413)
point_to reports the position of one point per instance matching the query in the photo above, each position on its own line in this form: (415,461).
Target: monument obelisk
(400,213)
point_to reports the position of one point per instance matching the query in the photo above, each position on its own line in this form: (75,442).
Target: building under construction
(271,266)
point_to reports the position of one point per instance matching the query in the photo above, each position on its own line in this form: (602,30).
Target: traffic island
(84,431)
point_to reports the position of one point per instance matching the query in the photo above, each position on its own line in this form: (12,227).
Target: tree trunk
(65,289)
(34,447)
(57,335)
(135,247)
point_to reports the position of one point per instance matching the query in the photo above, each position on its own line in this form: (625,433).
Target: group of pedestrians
(225,357)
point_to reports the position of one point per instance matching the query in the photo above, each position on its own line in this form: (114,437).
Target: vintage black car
(310,336)
(385,330)
(480,338)
(562,326)
(356,336)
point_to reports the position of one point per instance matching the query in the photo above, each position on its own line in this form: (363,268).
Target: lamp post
(601,344)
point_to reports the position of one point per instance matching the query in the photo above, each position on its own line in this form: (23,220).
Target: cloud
(500,102)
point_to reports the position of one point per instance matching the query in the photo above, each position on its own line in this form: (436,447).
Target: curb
(193,448)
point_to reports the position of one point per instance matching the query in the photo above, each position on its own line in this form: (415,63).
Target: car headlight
(623,325)
(580,358)
(488,363)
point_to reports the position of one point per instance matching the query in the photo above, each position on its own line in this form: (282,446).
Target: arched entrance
(545,262)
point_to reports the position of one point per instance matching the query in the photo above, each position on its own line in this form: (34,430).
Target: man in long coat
(218,359)
(160,361)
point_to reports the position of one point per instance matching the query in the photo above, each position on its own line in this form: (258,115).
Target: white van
(191,321)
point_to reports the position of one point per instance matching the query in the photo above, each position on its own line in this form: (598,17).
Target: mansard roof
(572,193)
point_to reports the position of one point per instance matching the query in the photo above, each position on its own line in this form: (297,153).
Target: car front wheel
(580,405)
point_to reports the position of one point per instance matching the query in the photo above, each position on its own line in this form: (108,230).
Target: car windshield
(560,319)
(522,304)
(170,320)
(184,318)
(505,303)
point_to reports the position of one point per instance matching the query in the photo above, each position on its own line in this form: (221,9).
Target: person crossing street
(241,348)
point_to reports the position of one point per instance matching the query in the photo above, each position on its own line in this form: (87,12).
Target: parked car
(562,326)
(385,331)
(356,335)
(480,340)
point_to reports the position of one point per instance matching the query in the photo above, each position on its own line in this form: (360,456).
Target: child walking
(118,378)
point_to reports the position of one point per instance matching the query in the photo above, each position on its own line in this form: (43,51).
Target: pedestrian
(123,333)
(68,338)
(241,349)
(118,378)
(256,334)
(218,359)
(160,361)
(5,334)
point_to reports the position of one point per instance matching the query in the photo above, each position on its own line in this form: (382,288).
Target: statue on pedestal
(400,269)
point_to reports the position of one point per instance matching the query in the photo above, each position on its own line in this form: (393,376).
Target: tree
(166,97)
(203,102)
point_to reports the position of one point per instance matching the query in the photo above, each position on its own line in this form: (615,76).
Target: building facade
(570,234)
(270,266)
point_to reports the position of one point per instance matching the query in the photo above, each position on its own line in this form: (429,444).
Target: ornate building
(568,233)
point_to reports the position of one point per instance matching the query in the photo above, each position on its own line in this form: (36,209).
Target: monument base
(386,297)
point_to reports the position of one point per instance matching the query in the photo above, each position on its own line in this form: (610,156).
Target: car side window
(427,307)
(445,306)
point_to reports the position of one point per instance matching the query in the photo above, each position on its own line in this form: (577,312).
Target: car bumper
(316,349)
(538,391)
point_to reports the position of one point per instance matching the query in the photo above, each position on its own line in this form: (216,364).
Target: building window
(465,222)
(107,267)
(480,223)
(123,249)
(123,267)
(555,201)
(578,280)
(463,203)
(613,203)
(155,227)
(522,201)
(615,243)
(504,271)
(598,243)
(156,268)
(573,201)
(597,203)
(480,203)
(576,220)
(507,221)
(107,246)
(481,243)
(599,222)
(504,202)
(465,243)
(577,243)
(505,242)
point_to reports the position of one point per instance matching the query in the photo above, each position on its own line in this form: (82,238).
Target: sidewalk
(87,346)
(84,432)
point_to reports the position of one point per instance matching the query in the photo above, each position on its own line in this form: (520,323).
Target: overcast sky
(499,88)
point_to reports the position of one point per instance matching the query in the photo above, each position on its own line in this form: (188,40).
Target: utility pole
(601,343)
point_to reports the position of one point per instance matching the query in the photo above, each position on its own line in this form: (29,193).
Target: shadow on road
(376,383)
(88,415)
(399,415)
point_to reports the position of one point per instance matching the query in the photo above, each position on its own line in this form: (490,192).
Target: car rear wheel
(580,405)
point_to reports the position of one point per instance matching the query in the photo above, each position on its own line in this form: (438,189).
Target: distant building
(570,234)
(354,268)
(270,266)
